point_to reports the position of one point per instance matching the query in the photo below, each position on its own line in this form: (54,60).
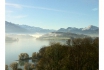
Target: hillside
(16,28)
(61,35)
(13,28)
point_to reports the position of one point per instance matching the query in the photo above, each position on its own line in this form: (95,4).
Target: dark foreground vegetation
(76,54)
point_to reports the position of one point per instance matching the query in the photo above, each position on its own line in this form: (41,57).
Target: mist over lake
(23,43)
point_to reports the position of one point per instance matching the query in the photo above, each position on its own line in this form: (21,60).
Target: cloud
(95,9)
(26,6)
(43,8)
(13,5)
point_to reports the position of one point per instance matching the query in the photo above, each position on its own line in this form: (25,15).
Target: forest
(76,54)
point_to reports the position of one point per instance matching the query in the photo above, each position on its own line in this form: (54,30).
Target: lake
(13,49)
(23,45)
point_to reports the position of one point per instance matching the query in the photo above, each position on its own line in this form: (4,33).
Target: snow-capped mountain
(16,28)
(91,27)
(89,30)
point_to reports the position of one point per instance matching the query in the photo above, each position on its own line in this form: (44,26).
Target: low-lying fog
(15,37)
(22,43)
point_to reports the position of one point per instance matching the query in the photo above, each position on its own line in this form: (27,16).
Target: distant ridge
(13,28)
(61,36)
(89,30)
(16,28)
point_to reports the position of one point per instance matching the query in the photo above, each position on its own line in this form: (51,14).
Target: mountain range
(16,28)
(90,30)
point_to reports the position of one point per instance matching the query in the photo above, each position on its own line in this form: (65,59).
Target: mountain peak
(90,27)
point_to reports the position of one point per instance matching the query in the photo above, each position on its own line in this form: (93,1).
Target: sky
(53,14)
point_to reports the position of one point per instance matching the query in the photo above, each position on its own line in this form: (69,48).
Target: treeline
(76,54)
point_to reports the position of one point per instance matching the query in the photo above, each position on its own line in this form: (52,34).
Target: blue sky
(53,14)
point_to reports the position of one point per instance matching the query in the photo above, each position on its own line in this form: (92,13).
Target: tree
(6,67)
(29,66)
(14,65)
(81,55)
(23,56)
(52,57)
